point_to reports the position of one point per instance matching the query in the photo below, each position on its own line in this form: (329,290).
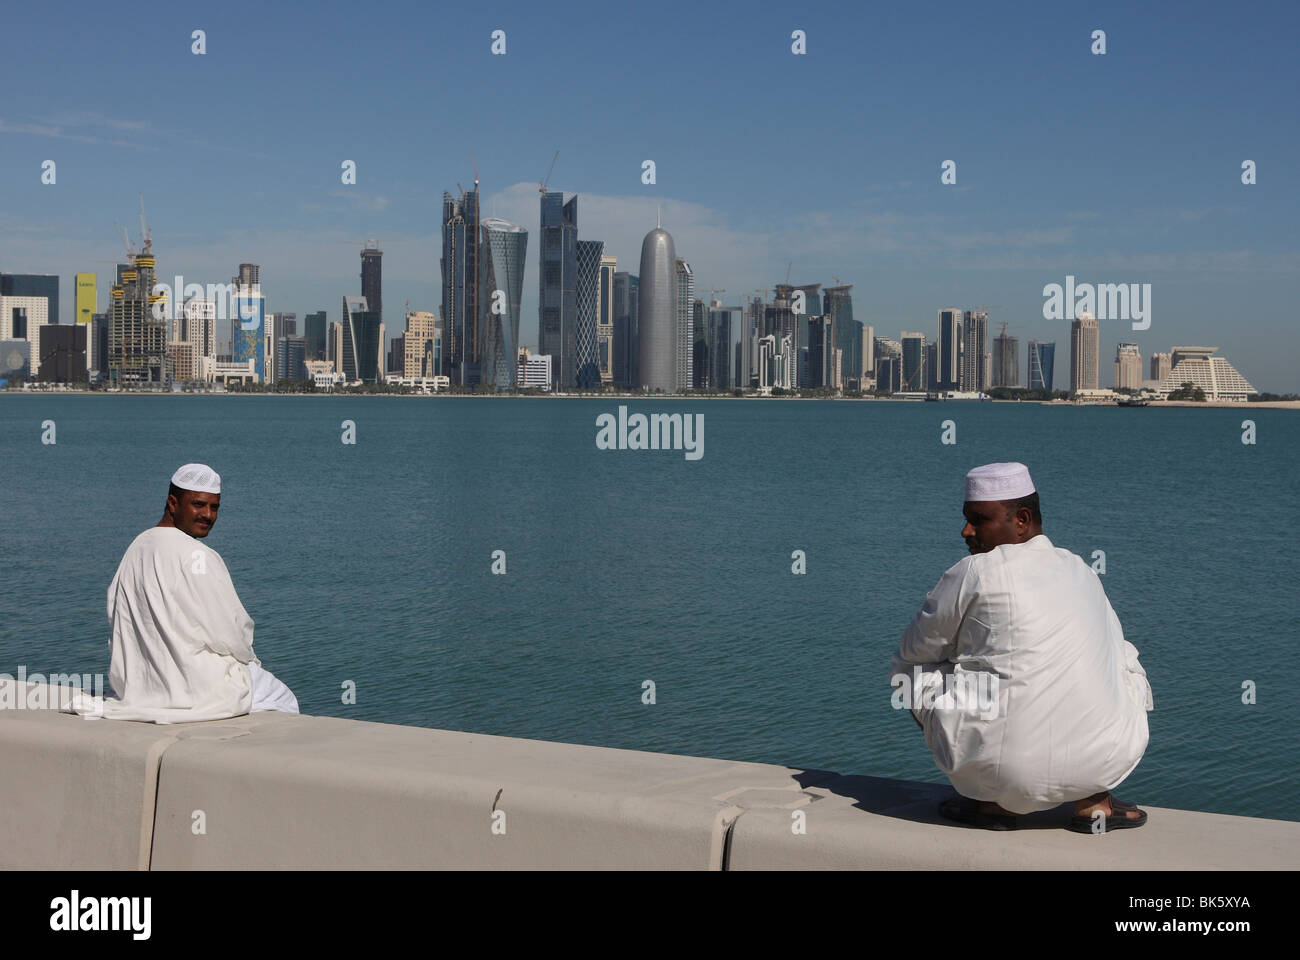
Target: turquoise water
(372,563)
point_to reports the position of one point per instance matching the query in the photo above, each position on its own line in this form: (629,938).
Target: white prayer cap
(198,477)
(999,481)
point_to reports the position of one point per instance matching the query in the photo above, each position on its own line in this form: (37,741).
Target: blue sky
(1116,169)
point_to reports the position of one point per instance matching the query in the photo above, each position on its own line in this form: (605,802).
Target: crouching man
(1029,623)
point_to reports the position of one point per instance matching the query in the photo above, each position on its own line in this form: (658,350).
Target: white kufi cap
(999,481)
(198,477)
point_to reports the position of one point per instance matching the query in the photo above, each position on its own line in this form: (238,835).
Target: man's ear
(172,504)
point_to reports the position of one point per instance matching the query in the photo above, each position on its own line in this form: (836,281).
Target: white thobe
(1069,716)
(182,647)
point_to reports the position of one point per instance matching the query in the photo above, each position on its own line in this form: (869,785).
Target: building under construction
(137,342)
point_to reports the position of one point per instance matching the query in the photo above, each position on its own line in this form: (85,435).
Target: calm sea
(372,563)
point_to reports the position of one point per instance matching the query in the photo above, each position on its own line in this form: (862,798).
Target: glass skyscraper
(557,295)
(361,344)
(1042,355)
(626,304)
(586,373)
(948,349)
(728,353)
(502,253)
(460,271)
(372,279)
(912,375)
(685,324)
(605,319)
(315,325)
(838,305)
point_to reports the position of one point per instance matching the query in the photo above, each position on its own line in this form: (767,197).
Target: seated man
(182,647)
(1030,623)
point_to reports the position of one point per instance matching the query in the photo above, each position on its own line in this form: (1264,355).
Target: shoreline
(1213,404)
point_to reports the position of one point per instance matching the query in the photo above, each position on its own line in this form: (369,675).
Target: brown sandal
(1119,818)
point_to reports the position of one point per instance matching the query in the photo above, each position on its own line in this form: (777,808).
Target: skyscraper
(460,285)
(372,279)
(41,285)
(685,324)
(837,303)
(728,352)
(1085,356)
(363,346)
(249,322)
(780,320)
(657,333)
(278,327)
(1128,366)
(314,328)
(200,326)
(557,298)
(889,364)
(88,297)
(1006,360)
(137,341)
(586,357)
(422,342)
(867,352)
(948,350)
(974,335)
(1161,365)
(821,352)
(605,319)
(1042,355)
(626,303)
(701,364)
(912,374)
(501,253)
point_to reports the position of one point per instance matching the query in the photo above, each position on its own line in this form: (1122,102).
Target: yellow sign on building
(86,297)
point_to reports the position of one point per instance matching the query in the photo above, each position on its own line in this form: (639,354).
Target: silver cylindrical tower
(658,309)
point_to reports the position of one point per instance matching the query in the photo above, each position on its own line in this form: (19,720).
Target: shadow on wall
(915,802)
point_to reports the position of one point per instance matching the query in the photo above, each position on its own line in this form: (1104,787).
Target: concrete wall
(273,791)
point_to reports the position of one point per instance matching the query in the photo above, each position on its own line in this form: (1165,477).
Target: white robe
(1069,718)
(182,642)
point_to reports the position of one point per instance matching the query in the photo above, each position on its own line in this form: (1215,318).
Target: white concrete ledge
(77,794)
(273,791)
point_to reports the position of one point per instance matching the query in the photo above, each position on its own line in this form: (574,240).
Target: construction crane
(144,232)
(542,184)
(126,242)
(788,268)
(714,290)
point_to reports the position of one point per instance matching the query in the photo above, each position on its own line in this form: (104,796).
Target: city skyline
(871,208)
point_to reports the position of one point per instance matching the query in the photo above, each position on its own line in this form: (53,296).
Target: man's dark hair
(174,491)
(1031,502)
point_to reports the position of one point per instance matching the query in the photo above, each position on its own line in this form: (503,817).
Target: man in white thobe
(182,647)
(1018,671)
